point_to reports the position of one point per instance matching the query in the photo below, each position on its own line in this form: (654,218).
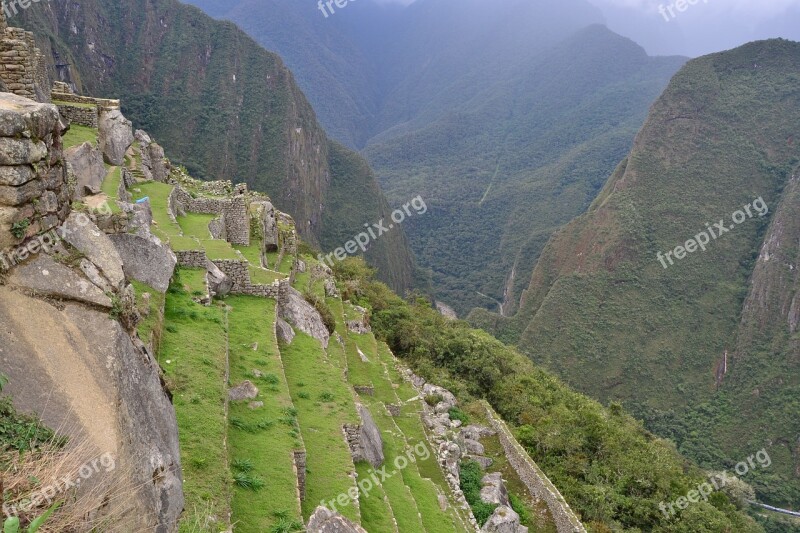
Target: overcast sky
(708,26)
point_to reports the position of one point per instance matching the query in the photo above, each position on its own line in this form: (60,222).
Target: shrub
(457,414)
(19,229)
(471,475)
(324,311)
(518,504)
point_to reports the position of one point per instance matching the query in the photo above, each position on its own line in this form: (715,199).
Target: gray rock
(298,312)
(255,405)
(44,276)
(22,117)
(81,232)
(371,440)
(476,432)
(243,391)
(219,284)
(285,332)
(330,289)
(494,490)
(504,520)
(485,462)
(159,166)
(326,521)
(82,373)
(116,136)
(86,162)
(359,326)
(147,260)
(94,275)
(21,151)
(473,447)
(16,175)
(143,138)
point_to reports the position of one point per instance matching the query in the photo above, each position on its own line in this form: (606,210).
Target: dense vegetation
(221,106)
(608,467)
(606,316)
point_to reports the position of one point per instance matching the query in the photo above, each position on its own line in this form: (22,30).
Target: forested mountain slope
(626,305)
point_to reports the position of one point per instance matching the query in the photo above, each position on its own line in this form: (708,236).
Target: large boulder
(219,284)
(326,521)
(298,312)
(371,441)
(44,276)
(285,332)
(504,520)
(494,490)
(83,234)
(243,391)
(159,166)
(83,374)
(146,259)
(116,136)
(86,164)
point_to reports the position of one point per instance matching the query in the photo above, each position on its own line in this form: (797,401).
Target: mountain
(487,109)
(699,341)
(223,107)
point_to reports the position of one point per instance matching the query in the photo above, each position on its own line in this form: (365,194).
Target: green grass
(111,186)
(158,193)
(311,373)
(150,326)
(252,252)
(79,135)
(196,225)
(75,104)
(258,436)
(376,513)
(260,276)
(193,356)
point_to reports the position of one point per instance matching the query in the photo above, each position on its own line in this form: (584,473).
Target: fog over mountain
(705,27)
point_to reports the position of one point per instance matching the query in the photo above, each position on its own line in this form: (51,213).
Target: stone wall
(83,116)
(300,470)
(192,258)
(34,193)
(59,95)
(237,221)
(23,69)
(537,482)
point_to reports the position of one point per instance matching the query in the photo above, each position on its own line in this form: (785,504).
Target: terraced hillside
(266,425)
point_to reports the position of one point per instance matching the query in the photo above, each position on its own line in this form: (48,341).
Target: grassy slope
(193,356)
(253,346)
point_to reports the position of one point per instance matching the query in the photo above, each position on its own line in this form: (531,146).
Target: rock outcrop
(116,136)
(87,168)
(45,277)
(86,237)
(494,490)
(85,375)
(146,259)
(326,521)
(285,332)
(298,312)
(371,441)
(504,520)
(219,284)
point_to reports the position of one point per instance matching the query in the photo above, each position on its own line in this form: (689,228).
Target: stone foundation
(82,116)
(22,70)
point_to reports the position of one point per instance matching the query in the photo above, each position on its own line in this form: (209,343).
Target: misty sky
(708,26)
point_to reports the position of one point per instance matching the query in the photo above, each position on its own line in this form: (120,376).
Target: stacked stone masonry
(34,194)
(300,469)
(23,69)
(82,116)
(537,482)
(234,212)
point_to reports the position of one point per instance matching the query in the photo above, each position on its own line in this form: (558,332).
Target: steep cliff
(221,105)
